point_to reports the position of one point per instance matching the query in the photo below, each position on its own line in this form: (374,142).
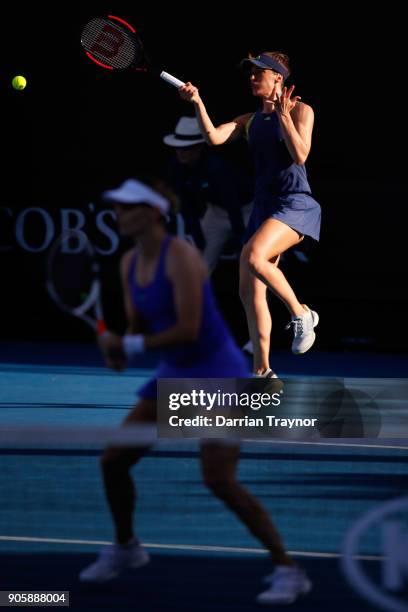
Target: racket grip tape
(171,79)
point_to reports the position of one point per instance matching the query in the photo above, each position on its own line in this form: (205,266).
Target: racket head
(73,278)
(112,43)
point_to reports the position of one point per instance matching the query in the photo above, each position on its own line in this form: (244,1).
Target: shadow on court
(177,583)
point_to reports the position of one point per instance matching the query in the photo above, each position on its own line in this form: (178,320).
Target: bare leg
(219,464)
(253,296)
(273,238)
(116,464)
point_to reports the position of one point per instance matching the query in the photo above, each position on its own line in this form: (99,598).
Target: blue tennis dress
(213,355)
(282,190)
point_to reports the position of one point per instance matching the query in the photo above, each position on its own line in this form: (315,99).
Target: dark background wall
(76,130)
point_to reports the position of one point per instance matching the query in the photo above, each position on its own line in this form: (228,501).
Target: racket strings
(72,277)
(111,44)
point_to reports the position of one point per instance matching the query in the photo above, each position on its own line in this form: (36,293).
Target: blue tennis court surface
(54,517)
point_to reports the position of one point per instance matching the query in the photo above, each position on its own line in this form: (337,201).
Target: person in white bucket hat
(186,134)
(215,196)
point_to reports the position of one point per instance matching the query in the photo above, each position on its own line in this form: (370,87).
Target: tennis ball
(19,82)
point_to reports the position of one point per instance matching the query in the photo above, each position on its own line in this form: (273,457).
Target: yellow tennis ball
(19,82)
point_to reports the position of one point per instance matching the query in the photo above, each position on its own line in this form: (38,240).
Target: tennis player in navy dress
(165,286)
(279,135)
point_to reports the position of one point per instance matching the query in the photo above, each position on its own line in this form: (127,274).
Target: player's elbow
(215,137)
(212,140)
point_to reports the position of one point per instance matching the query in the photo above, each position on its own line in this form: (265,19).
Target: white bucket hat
(186,134)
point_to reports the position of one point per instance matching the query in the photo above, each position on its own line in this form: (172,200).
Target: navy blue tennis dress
(213,355)
(282,190)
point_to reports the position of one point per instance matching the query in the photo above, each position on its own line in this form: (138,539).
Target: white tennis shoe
(112,560)
(269,373)
(276,385)
(286,584)
(303,331)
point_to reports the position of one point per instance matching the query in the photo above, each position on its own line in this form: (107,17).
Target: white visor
(135,192)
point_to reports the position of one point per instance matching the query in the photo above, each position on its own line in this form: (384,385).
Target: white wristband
(133,345)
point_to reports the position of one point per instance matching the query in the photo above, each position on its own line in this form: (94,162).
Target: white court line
(16,435)
(346,444)
(193,547)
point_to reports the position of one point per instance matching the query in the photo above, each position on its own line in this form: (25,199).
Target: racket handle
(171,79)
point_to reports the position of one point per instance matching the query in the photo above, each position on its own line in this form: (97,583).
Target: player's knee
(255,262)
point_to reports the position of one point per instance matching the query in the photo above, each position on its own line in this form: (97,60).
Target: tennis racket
(73,279)
(112,43)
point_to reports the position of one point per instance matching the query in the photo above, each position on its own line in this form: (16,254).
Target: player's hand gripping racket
(112,43)
(73,279)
